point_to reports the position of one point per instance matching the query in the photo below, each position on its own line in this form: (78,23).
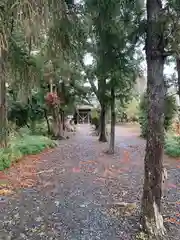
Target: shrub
(40,129)
(132,110)
(169,112)
(172,146)
(21,146)
(95,122)
(18,114)
(21,114)
(95,118)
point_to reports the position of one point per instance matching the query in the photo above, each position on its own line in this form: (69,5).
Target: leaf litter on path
(22,174)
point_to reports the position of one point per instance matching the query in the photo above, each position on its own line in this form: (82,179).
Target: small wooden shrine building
(83,114)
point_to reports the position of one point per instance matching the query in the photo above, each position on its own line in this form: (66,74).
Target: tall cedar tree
(152,220)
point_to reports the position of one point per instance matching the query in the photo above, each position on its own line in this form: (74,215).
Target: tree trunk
(3,110)
(102,134)
(113,122)
(47,121)
(57,126)
(63,120)
(178,71)
(151,219)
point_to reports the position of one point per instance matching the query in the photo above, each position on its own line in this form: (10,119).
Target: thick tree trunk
(3,110)
(151,219)
(113,122)
(102,133)
(57,125)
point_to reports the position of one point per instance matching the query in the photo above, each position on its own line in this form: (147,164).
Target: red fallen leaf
(126,157)
(170,185)
(178,214)
(171,220)
(76,170)
(178,166)
(2,176)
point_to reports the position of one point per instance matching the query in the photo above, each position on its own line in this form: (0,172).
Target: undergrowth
(22,145)
(172,145)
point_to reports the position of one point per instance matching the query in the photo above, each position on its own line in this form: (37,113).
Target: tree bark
(151,219)
(57,125)
(101,98)
(3,110)
(113,122)
(102,134)
(178,71)
(47,121)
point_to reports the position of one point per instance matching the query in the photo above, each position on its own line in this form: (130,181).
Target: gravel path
(79,190)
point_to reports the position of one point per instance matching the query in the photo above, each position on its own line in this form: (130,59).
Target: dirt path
(78,190)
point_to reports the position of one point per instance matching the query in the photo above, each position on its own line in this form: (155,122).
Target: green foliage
(20,113)
(95,121)
(36,108)
(172,146)
(132,110)
(40,129)
(21,146)
(113,33)
(128,113)
(169,112)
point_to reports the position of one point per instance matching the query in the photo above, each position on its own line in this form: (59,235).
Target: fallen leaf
(4,192)
(76,170)
(170,185)
(87,162)
(171,220)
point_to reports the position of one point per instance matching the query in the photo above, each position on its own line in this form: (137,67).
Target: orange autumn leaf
(27,183)
(126,157)
(171,220)
(4,192)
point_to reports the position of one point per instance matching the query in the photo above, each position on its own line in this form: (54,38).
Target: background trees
(113,46)
(37,52)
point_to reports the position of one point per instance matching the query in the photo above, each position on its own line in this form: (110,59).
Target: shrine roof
(81,107)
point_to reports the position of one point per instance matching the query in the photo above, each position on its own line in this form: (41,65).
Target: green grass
(20,146)
(172,145)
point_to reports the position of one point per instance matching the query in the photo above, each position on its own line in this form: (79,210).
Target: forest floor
(75,192)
